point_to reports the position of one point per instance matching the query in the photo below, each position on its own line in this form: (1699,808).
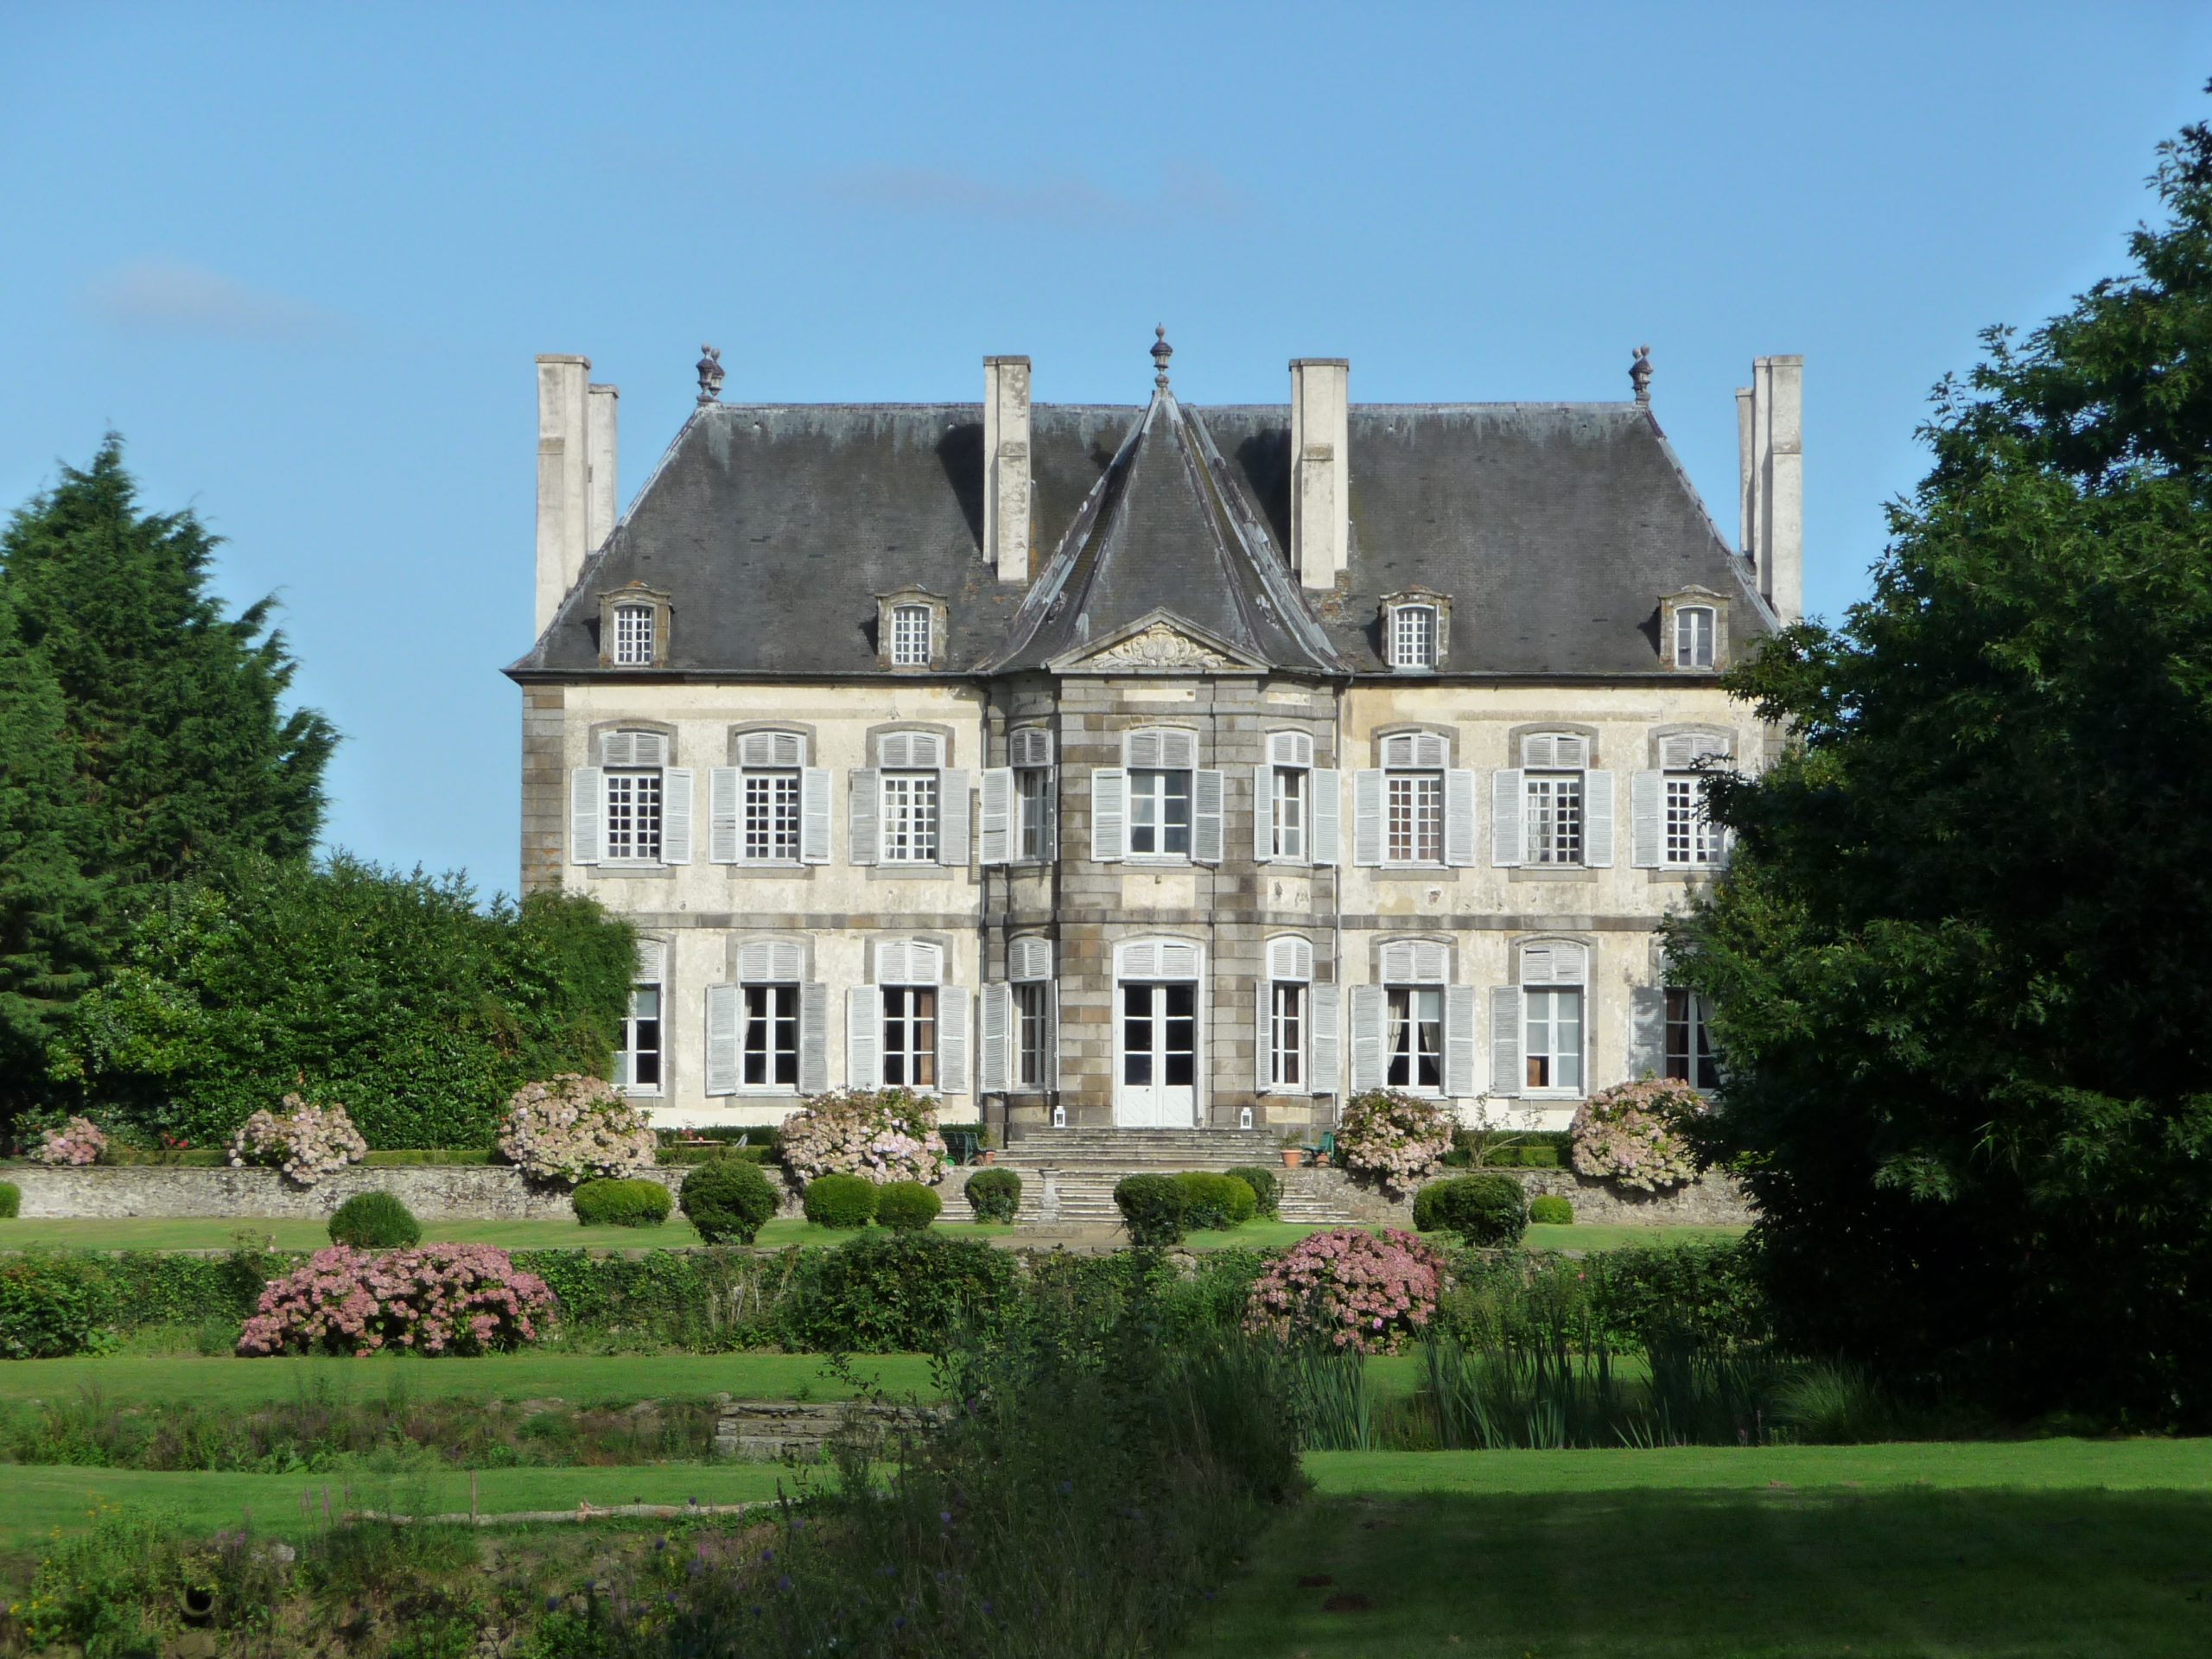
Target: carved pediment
(1157,644)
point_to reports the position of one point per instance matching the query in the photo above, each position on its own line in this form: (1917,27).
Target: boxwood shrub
(728,1200)
(1484,1209)
(1214,1201)
(1152,1208)
(994,1194)
(907,1205)
(895,1292)
(11,1200)
(1267,1190)
(374,1221)
(622,1203)
(1551,1209)
(840,1201)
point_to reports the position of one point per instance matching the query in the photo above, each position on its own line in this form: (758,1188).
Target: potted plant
(987,1145)
(1292,1153)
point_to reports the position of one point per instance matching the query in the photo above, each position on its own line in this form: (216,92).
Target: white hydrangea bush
(1397,1138)
(878,1134)
(574,1128)
(305,1142)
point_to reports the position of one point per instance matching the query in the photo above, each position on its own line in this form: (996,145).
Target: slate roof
(1554,528)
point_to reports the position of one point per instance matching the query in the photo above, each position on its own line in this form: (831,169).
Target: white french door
(1156,1056)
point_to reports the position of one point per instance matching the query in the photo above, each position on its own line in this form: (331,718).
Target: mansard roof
(1554,528)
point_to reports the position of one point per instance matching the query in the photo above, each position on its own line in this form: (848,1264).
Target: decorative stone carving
(1158,648)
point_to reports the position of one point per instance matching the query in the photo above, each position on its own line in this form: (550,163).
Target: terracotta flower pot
(989,1156)
(1291,1157)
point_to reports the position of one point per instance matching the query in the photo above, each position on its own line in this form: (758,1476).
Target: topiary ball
(1551,1210)
(994,1195)
(1266,1189)
(1490,1211)
(728,1200)
(1214,1201)
(375,1221)
(840,1201)
(622,1203)
(907,1205)
(1152,1208)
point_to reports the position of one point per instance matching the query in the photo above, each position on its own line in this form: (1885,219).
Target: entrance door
(1157,1088)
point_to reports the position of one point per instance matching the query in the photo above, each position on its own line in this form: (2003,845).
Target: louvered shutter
(1053,1035)
(1325,837)
(1264,814)
(996,1020)
(1140,750)
(1505,792)
(1647,816)
(1432,961)
(863,817)
(813,1039)
(952,818)
(1505,1041)
(863,1038)
(1290,958)
(1031,747)
(722,1016)
(1051,807)
(1140,960)
(1460,1042)
(1207,828)
(1597,818)
(723,815)
(1178,960)
(1647,1031)
(952,1040)
(892,963)
(675,815)
(1263,1036)
(995,824)
(814,815)
(586,806)
(1323,1004)
(1179,750)
(894,751)
(1110,813)
(1367,818)
(1460,818)
(1367,1027)
(1396,962)
(1029,959)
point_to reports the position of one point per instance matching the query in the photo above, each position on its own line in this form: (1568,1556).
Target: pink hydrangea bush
(305,1142)
(76,1143)
(1349,1289)
(878,1134)
(435,1298)
(1637,1133)
(1394,1137)
(574,1128)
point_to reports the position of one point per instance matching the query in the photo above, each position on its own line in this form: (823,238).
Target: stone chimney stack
(1770,433)
(600,423)
(1321,468)
(1006,466)
(563,477)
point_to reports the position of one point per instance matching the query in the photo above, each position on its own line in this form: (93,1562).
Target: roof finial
(711,374)
(1161,350)
(1639,374)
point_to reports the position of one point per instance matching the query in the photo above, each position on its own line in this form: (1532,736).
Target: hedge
(1267,1190)
(622,1204)
(907,1205)
(1486,1209)
(1153,1208)
(843,1201)
(1213,1202)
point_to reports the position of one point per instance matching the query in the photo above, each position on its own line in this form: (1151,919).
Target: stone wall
(1710,1201)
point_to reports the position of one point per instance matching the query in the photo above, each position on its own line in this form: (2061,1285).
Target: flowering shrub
(435,1299)
(76,1143)
(879,1135)
(572,1129)
(307,1143)
(1349,1289)
(1637,1133)
(1394,1137)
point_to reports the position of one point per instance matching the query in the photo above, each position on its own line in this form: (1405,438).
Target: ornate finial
(1161,350)
(1639,374)
(711,374)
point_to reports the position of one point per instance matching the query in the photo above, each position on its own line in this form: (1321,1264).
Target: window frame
(640,817)
(1162,800)
(772,993)
(634,644)
(1699,1060)
(1033,814)
(1413,1027)
(1290,1011)
(911,1014)
(1692,617)
(1029,1008)
(1701,836)
(921,849)
(1419,620)
(626,1052)
(906,652)
(1292,841)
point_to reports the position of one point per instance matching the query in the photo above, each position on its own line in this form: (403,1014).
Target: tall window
(1690,1055)
(1413,636)
(1287,1034)
(1032,806)
(910,636)
(910,1035)
(633,821)
(910,819)
(633,636)
(1413,1037)
(1160,812)
(1415,806)
(772,818)
(1552,1038)
(637,1065)
(1554,817)
(1693,838)
(1694,631)
(1029,1011)
(771,1043)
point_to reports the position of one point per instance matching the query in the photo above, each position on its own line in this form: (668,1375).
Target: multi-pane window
(1692,837)
(637,1064)
(1552,1038)
(1413,636)
(1029,1011)
(633,819)
(1694,632)
(909,818)
(1289,810)
(769,1052)
(771,806)
(633,636)
(1287,1034)
(1690,1055)
(910,1036)
(1553,816)
(1032,806)
(1413,817)
(1160,813)
(910,636)
(1413,1037)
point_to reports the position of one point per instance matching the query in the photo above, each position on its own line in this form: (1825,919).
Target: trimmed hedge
(891,1292)
(720,1153)
(843,1201)
(1267,1190)
(994,1194)
(728,1200)
(1483,1209)
(11,1200)
(1551,1209)
(374,1221)
(1213,1202)
(54,1304)
(622,1203)
(907,1205)
(1153,1208)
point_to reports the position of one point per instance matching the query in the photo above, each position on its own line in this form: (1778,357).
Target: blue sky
(301,258)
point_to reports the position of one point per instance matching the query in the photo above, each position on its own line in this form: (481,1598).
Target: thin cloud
(1183,194)
(169,297)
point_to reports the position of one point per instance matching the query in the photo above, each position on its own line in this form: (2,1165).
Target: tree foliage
(1960,962)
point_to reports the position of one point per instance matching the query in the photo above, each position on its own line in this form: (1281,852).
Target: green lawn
(2030,1548)
(220,1232)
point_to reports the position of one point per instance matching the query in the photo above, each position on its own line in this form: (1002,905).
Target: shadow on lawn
(1777,1573)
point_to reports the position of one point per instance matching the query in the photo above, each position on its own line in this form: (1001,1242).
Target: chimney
(563,470)
(601,426)
(1320,463)
(1769,424)
(1006,466)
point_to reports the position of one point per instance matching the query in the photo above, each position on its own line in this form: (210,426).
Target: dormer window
(1694,631)
(633,636)
(910,636)
(1416,625)
(634,627)
(911,628)
(1693,636)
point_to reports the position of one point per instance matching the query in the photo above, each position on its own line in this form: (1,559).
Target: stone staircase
(1068,1175)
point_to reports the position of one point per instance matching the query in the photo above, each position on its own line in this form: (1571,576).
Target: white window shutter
(754,957)
(1322,1015)
(1460,1042)
(1029,959)
(586,805)
(1179,750)
(1290,958)
(1325,835)
(1396,962)
(721,815)
(952,818)
(894,965)
(1460,818)
(895,750)
(1505,1041)
(723,1006)
(1264,814)
(1142,749)
(1051,808)
(1207,836)
(863,815)
(675,815)
(1110,813)
(1367,818)
(1598,816)
(952,1040)
(1647,1031)
(1263,1046)
(814,815)
(1178,960)
(1052,1034)
(1505,792)
(1647,816)
(1366,1025)
(1432,961)
(863,1038)
(995,824)
(996,1018)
